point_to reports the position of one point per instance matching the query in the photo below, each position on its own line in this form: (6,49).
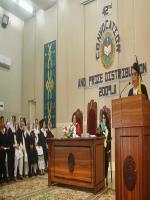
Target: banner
(50,82)
(108,37)
(107,82)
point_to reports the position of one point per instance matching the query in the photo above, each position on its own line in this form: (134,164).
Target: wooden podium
(131,120)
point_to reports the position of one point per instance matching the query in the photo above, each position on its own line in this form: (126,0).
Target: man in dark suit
(135,75)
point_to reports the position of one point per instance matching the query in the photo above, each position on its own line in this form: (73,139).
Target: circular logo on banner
(107,43)
(107,50)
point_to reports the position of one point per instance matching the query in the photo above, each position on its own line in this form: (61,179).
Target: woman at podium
(138,88)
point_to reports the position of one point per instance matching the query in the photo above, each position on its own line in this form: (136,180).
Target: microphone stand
(124,88)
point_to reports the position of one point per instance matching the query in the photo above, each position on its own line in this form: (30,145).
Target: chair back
(92,117)
(106,110)
(79,118)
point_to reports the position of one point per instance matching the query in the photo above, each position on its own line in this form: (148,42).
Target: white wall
(11,45)
(70,61)
(39,30)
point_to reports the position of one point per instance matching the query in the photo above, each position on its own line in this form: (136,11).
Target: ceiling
(44,4)
(23,14)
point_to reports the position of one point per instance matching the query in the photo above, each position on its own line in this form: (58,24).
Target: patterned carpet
(36,189)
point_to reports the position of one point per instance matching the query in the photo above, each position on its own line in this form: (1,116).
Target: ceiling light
(15,1)
(25,5)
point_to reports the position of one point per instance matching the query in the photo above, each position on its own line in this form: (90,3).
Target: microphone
(124,88)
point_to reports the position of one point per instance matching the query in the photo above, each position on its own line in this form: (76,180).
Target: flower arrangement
(68,130)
